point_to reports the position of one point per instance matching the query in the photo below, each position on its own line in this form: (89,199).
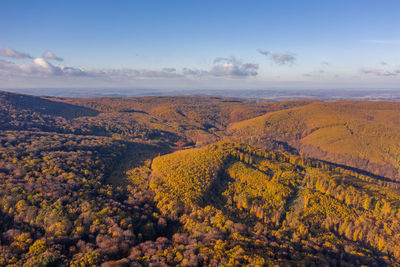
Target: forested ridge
(360,134)
(198,181)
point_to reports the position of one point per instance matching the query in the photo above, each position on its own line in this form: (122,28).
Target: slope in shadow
(44,106)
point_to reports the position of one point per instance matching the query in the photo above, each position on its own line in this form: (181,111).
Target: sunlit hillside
(196,119)
(358,134)
(251,201)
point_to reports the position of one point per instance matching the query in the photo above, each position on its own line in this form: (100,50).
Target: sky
(200,44)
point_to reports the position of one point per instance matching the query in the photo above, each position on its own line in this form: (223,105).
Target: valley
(198,181)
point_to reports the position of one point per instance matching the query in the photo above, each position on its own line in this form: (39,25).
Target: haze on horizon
(200,45)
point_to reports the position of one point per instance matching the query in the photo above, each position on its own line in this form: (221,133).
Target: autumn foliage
(198,181)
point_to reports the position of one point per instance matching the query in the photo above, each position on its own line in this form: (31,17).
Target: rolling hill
(197,119)
(363,135)
(303,205)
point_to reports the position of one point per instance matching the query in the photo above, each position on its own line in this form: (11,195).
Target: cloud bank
(42,67)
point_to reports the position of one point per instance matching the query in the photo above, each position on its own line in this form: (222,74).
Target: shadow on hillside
(281,145)
(214,194)
(46,106)
(134,155)
(214,197)
(360,171)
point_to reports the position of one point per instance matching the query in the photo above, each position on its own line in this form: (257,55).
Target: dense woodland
(198,181)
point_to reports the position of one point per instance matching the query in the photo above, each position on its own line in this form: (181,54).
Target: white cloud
(169,69)
(223,67)
(263,52)
(194,72)
(45,66)
(140,73)
(41,67)
(283,59)
(380,72)
(233,68)
(8,52)
(279,58)
(11,68)
(316,73)
(50,55)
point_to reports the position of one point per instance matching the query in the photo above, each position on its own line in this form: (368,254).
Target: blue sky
(200,44)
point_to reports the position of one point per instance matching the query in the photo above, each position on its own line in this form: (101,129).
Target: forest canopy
(198,181)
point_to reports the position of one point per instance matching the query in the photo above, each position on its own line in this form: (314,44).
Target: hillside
(197,181)
(23,112)
(315,211)
(199,120)
(43,106)
(363,135)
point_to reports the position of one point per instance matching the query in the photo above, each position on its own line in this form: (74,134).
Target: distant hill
(43,106)
(364,135)
(201,120)
(261,95)
(24,112)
